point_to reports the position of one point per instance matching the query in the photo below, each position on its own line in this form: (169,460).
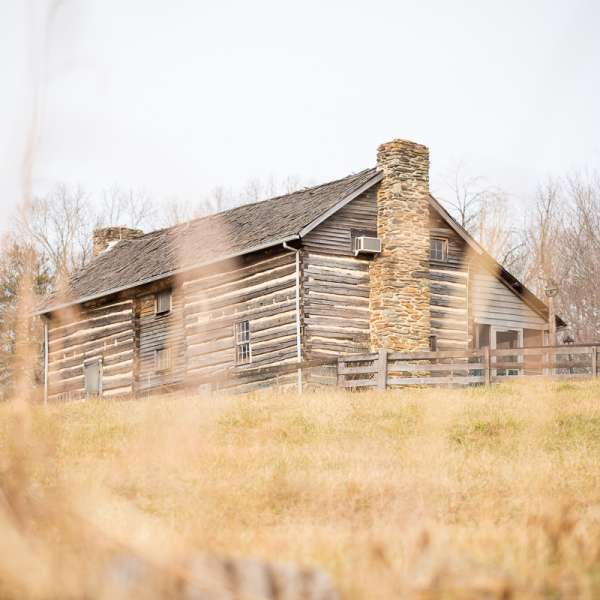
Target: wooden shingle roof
(206,240)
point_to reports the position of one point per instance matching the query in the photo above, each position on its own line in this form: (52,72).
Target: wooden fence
(385,369)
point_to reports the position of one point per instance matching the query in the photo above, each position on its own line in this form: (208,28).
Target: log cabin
(365,262)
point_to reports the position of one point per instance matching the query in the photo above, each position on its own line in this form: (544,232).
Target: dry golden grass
(454,494)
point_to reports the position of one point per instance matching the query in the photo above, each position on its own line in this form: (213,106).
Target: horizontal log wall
(262,290)
(104,331)
(335,304)
(449,284)
(334,235)
(335,285)
(155,332)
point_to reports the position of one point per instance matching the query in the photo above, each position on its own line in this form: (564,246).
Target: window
(243,354)
(438,249)
(162,359)
(483,335)
(92,372)
(163,302)
(433,343)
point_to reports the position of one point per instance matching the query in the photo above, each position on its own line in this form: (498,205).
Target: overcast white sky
(178,97)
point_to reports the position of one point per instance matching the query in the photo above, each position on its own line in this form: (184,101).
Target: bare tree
(464,194)
(484,211)
(580,252)
(133,208)
(18,262)
(498,234)
(58,225)
(544,236)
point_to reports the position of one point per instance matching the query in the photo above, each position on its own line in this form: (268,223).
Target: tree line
(51,237)
(556,241)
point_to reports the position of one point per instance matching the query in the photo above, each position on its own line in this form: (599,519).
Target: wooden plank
(351,383)
(433,355)
(351,265)
(557,350)
(372,368)
(78,339)
(395,367)
(360,357)
(544,365)
(435,380)
(382,364)
(205,282)
(258,277)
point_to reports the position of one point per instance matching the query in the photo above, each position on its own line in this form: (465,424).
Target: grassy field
(426,494)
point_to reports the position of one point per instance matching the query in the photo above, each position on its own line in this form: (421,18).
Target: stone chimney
(106,237)
(400,293)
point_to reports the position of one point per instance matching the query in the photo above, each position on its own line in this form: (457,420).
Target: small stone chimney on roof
(106,237)
(400,292)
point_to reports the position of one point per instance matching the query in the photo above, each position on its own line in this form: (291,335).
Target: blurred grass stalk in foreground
(432,493)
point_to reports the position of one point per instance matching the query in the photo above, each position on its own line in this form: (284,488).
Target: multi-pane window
(438,249)
(163,302)
(242,343)
(162,359)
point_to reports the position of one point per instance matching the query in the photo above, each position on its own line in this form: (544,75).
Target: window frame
(444,249)
(242,341)
(433,343)
(169,362)
(157,296)
(94,362)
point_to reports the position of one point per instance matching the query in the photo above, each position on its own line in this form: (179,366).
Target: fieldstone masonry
(104,236)
(400,294)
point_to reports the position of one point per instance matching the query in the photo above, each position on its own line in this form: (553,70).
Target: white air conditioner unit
(367,245)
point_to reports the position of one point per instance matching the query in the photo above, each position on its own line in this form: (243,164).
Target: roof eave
(339,205)
(535,303)
(124,288)
(304,231)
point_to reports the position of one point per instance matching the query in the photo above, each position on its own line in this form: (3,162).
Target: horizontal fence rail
(384,369)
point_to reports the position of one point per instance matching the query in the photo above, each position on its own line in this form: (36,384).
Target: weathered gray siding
(155,332)
(449,283)
(336,304)
(336,283)
(494,304)
(333,236)
(103,331)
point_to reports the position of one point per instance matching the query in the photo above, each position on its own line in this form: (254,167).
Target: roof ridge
(245,205)
(254,226)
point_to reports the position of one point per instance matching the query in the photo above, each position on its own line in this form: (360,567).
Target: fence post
(487,362)
(340,376)
(381,375)
(594,361)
